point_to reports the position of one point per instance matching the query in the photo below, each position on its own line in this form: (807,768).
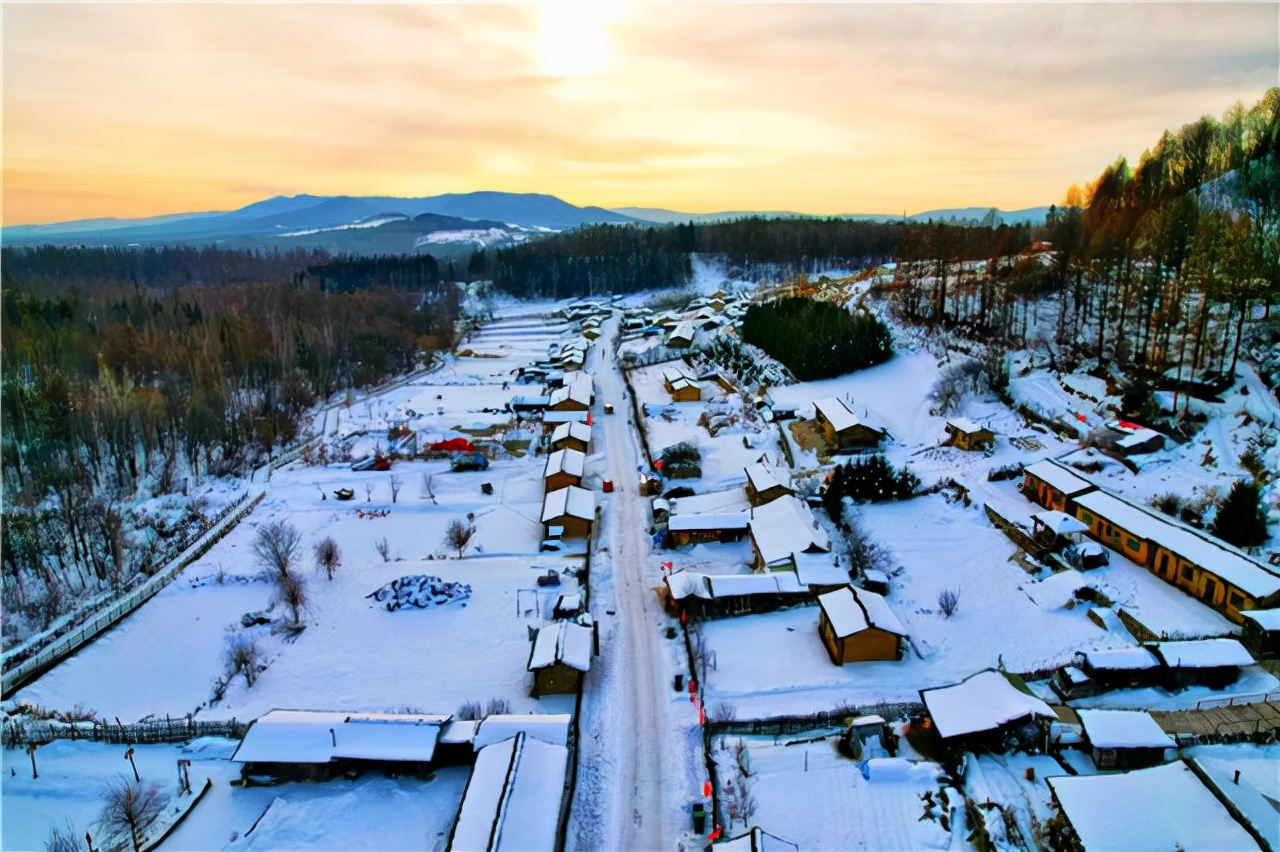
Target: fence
(19,731)
(68,643)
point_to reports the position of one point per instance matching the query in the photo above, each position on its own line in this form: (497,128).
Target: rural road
(640,755)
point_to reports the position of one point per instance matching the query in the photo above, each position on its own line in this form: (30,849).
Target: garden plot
(775,664)
(811,796)
(373,812)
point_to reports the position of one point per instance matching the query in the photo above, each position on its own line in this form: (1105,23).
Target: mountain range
(443,224)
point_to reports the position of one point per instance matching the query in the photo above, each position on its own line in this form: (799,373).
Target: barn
(858,626)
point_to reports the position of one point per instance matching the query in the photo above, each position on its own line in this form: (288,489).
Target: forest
(111,391)
(817,340)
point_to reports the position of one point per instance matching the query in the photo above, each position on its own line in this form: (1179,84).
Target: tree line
(110,392)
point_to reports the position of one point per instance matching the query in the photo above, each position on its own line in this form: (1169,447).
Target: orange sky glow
(141,109)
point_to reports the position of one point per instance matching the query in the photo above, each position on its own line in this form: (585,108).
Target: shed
(513,798)
(1260,632)
(1120,668)
(1158,808)
(681,337)
(820,572)
(1052,485)
(680,383)
(720,595)
(964,434)
(1125,739)
(683,529)
(572,397)
(984,708)
(1054,530)
(766,483)
(844,429)
(560,656)
(1202,662)
(571,508)
(571,436)
(858,626)
(564,468)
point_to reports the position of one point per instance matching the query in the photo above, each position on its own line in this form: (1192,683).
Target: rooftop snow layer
(836,412)
(763,477)
(852,610)
(1123,729)
(572,462)
(513,798)
(577,430)
(572,501)
(1058,477)
(1203,653)
(1160,808)
(981,702)
(1121,659)
(305,736)
(786,526)
(562,642)
(549,728)
(1267,619)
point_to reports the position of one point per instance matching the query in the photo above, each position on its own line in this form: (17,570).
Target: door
(1210,591)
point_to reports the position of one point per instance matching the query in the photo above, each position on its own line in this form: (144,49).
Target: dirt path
(640,751)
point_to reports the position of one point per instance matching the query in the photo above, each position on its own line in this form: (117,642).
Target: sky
(141,109)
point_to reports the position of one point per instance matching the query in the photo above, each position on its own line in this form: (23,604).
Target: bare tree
(458,535)
(277,546)
(368,492)
(131,809)
(396,483)
(384,548)
(328,556)
(949,601)
(291,591)
(497,706)
(243,658)
(63,839)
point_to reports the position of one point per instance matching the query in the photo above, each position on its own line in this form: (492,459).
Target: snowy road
(640,758)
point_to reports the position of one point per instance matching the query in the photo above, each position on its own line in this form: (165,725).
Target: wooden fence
(68,643)
(20,731)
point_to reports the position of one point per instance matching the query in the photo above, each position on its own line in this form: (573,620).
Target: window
(1188,573)
(1086,517)
(1236,599)
(1133,544)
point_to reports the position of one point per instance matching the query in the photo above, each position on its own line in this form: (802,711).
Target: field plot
(813,797)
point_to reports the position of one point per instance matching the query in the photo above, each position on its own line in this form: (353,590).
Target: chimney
(1236,778)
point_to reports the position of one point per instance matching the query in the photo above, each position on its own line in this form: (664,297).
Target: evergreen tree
(1241,519)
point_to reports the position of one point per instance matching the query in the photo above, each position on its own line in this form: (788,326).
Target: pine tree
(1241,520)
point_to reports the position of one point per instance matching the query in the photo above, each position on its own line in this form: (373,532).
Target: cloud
(823,107)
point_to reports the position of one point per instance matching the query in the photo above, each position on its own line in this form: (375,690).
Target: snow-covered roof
(981,702)
(683,331)
(1059,523)
(709,521)
(548,727)
(1217,557)
(572,501)
(786,526)
(576,430)
(459,731)
(512,800)
(1058,477)
(1267,619)
(818,569)
(1123,729)
(565,417)
(1138,438)
(1121,659)
(1259,811)
(1159,808)
(1203,653)
(714,502)
(685,583)
(763,477)
(1057,590)
(769,583)
(572,462)
(852,610)
(305,736)
(964,424)
(579,391)
(677,371)
(561,642)
(836,412)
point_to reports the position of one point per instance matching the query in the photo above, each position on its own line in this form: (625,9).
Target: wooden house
(560,656)
(571,436)
(576,396)
(305,745)
(1125,739)
(766,483)
(1260,632)
(1053,485)
(681,337)
(844,429)
(705,528)
(782,528)
(858,626)
(1219,575)
(985,711)
(964,434)
(706,596)
(1117,668)
(564,468)
(680,383)
(568,512)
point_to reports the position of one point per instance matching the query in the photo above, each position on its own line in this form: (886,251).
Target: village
(595,578)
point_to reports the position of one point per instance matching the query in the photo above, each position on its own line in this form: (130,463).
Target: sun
(573,36)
